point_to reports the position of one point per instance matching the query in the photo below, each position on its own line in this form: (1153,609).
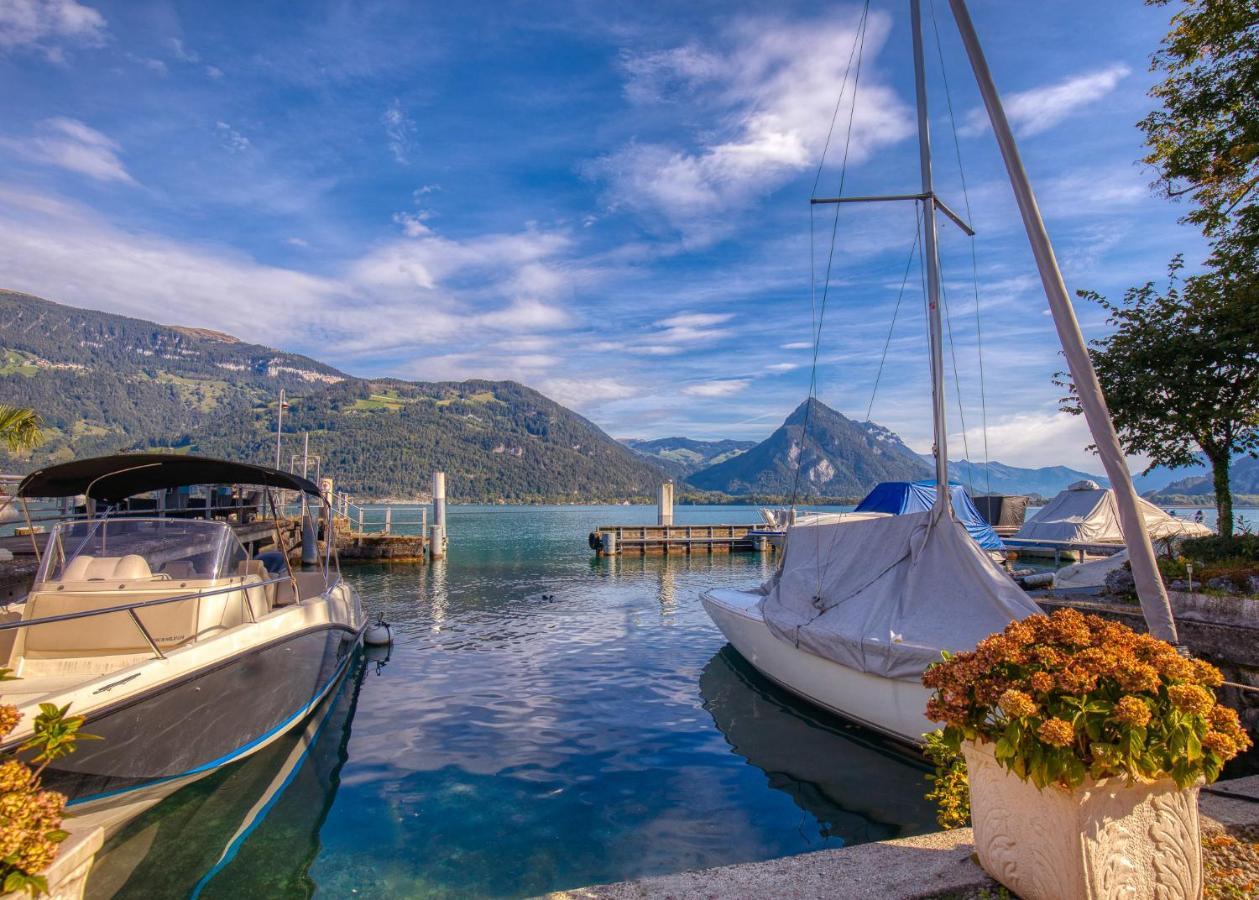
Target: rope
(859,43)
(974,262)
(899,297)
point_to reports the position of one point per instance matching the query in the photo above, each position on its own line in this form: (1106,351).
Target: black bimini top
(127,474)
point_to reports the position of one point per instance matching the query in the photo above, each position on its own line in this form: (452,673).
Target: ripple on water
(514,744)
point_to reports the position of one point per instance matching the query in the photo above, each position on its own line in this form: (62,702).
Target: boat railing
(130,608)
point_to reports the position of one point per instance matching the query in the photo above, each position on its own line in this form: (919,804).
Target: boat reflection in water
(200,840)
(858,786)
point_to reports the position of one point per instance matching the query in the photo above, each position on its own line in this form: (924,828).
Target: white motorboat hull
(894,708)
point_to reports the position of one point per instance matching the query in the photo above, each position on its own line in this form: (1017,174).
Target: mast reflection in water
(859,788)
(203,840)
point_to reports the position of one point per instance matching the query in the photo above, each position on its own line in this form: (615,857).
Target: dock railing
(381,518)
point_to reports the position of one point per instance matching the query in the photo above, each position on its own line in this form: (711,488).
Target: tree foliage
(20,428)
(1204,137)
(1181,371)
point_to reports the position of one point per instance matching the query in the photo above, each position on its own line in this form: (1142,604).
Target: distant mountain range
(1243,479)
(679,456)
(839,458)
(105,383)
(998,478)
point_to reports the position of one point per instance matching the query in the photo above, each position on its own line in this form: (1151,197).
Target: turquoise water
(545,720)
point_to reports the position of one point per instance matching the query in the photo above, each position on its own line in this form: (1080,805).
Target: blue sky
(605,201)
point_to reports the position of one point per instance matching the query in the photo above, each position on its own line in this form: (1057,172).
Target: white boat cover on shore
(1088,514)
(886,595)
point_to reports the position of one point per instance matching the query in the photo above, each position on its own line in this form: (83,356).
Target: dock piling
(664,506)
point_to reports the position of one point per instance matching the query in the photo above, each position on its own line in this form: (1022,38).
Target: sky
(608,202)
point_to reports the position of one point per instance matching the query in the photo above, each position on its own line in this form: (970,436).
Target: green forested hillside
(105,383)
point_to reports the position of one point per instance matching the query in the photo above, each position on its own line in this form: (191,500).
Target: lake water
(545,720)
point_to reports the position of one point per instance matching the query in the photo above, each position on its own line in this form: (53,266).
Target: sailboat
(857,610)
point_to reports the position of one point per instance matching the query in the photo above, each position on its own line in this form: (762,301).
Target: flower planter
(1105,839)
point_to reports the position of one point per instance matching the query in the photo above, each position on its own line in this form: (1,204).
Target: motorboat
(182,651)
(205,839)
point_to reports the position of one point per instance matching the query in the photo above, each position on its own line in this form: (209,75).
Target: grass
(15,362)
(389,401)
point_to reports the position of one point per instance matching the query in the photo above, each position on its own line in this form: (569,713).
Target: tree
(20,428)
(1204,138)
(1181,372)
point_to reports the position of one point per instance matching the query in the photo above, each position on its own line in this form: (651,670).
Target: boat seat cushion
(107,568)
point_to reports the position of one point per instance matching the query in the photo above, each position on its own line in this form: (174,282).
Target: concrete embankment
(936,866)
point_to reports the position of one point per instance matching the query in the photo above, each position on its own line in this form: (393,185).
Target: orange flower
(1137,676)
(1132,710)
(1016,704)
(1206,674)
(1219,742)
(1191,698)
(9,717)
(1042,682)
(1056,732)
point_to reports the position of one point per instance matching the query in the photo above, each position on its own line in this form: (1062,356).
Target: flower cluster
(30,817)
(1068,696)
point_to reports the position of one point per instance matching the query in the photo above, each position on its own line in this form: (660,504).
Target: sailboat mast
(931,255)
(1150,590)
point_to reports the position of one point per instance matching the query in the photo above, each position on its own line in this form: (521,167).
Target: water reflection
(857,786)
(206,839)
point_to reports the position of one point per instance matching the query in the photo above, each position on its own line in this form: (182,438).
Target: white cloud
(772,86)
(1039,109)
(232,139)
(797,345)
(1035,439)
(720,388)
(403,296)
(297,242)
(399,129)
(673,335)
(70,144)
(48,25)
(782,367)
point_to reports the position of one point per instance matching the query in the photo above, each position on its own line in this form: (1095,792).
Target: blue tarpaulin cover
(900,497)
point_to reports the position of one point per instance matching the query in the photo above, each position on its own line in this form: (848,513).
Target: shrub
(1070,696)
(1218,549)
(30,817)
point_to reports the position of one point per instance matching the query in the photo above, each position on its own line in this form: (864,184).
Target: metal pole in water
(1154,603)
(931,254)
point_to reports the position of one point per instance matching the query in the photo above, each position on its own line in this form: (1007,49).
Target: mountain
(998,478)
(1243,478)
(105,383)
(839,458)
(679,456)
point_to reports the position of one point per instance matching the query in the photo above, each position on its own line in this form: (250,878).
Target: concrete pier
(666,540)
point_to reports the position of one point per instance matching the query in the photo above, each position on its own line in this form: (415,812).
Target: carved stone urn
(1105,839)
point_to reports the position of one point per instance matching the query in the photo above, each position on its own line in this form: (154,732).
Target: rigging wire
(957,385)
(895,312)
(860,43)
(974,262)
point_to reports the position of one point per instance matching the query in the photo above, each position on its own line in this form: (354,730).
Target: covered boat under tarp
(1086,513)
(885,596)
(1004,512)
(901,497)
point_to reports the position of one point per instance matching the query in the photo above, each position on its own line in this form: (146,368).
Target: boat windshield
(131,550)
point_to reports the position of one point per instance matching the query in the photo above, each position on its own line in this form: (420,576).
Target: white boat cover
(1088,514)
(1089,574)
(886,595)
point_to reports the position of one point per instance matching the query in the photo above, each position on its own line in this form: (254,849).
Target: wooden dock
(680,540)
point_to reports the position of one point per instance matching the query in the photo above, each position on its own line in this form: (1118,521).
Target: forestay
(886,595)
